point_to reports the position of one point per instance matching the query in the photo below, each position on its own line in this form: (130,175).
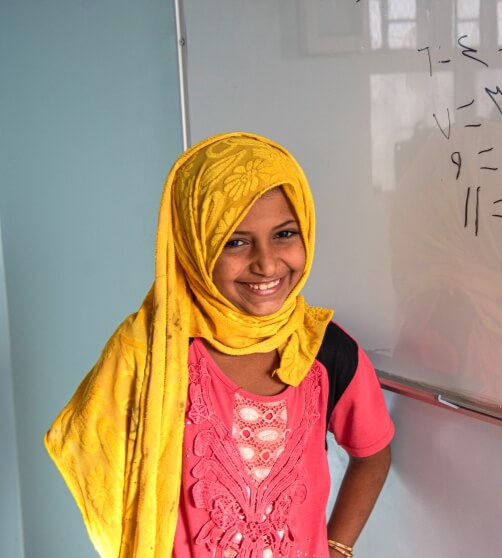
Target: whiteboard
(394,110)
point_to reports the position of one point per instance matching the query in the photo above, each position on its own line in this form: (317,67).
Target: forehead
(272,205)
(273,191)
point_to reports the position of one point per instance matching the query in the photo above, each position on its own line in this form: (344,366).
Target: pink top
(272,505)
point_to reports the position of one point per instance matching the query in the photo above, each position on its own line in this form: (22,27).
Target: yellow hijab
(207,193)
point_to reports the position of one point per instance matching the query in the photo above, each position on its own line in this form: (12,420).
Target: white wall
(90,124)
(443,496)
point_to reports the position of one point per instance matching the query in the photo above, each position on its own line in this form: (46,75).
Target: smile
(263,286)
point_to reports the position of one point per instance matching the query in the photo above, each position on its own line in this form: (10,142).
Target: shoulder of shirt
(339,341)
(339,353)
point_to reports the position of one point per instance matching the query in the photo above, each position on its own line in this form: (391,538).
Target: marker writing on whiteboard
(485,157)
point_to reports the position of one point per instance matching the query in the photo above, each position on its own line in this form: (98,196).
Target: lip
(263,288)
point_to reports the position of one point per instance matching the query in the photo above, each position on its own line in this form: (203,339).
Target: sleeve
(360,421)
(91,441)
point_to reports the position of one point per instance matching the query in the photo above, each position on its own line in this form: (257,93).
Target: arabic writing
(443,122)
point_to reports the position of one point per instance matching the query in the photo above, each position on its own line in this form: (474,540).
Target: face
(264,258)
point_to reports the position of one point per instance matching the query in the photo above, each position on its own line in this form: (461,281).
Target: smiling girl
(201,430)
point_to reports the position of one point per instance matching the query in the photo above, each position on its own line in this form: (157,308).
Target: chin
(264,310)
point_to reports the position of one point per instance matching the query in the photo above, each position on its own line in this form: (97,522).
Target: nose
(264,260)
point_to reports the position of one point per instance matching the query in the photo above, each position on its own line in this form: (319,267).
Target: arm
(362,483)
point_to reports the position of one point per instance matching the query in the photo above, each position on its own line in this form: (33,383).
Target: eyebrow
(285,224)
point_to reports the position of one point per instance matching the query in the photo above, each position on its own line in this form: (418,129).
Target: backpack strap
(339,355)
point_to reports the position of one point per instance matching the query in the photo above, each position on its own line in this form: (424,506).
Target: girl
(201,430)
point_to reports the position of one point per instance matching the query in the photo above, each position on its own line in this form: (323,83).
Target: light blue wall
(89,126)
(11,538)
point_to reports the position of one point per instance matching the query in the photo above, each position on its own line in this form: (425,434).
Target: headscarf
(207,193)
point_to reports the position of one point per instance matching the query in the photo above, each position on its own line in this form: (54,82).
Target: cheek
(224,271)
(217,279)
(300,259)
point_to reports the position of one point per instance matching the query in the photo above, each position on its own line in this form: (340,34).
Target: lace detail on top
(246,519)
(259,430)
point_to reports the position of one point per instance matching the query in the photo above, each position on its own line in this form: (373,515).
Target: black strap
(339,355)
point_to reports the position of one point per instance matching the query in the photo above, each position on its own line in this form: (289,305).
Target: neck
(253,373)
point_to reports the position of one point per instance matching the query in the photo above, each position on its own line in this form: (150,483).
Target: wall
(443,496)
(89,106)
(11,538)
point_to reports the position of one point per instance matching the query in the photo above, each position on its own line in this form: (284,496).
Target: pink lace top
(259,432)
(255,475)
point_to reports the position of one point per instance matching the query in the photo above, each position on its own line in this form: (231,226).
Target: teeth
(263,286)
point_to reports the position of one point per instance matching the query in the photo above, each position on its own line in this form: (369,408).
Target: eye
(234,243)
(287,233)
